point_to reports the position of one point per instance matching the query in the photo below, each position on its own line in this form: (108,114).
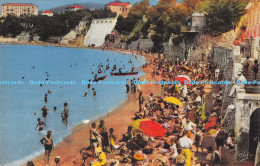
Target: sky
(47,4)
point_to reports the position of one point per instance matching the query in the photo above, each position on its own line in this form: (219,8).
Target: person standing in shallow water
(40,124)
(46,98)
(48,145)
(44,111)
(66,113)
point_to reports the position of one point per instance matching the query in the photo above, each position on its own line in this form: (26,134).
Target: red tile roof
(75,6)
(118,3)
(18,4)
(47,12)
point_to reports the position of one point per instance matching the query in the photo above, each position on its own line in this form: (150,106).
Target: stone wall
(220,56)
(245,105)
(142,44)
(227,109)
(182,50)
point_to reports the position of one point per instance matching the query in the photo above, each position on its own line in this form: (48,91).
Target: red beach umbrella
(183,79)
(152,128)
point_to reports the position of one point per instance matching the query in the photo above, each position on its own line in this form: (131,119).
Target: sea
(67,70)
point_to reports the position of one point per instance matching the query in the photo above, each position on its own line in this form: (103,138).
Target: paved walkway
(228,156)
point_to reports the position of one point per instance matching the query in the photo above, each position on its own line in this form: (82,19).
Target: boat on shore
(100,78)
(124,74)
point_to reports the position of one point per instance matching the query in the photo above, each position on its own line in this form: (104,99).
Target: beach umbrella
(186,68)
(149,127)
(135,124)
(173,100)
(183,79)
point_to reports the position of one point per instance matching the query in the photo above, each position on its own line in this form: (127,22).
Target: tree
(222,15)
(139,9)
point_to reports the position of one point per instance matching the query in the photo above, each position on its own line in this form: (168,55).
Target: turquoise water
(19,141)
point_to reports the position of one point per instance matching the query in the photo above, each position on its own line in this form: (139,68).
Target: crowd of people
(186,124)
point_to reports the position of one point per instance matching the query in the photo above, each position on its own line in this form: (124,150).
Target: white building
(47,13)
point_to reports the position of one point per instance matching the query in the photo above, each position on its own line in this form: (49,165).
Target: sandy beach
(118,119)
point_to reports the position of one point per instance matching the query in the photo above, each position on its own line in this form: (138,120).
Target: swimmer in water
(44,111)
(46,98)
(94,92)
(86,94)
(40,124)
(54,109)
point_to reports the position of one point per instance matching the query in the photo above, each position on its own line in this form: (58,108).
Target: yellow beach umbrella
(135,124)
(173,100)
(187,68)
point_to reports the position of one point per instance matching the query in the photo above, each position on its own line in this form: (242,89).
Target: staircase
(250,76)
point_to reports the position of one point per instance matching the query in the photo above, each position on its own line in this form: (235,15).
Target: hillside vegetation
(168,17)
(44,26)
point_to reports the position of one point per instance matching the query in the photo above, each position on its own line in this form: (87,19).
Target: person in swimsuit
(46,98)
(94,139)
(66,113)
(44,111)
(40,124)
(48,145)
(94,92)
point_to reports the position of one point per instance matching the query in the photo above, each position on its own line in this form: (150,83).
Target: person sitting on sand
(40,124)
(48,144)
(138,143)
(164,146)
(129,136)
(101,158)
(30,163)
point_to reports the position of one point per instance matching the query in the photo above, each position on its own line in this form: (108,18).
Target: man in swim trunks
(44,111)
(48,145)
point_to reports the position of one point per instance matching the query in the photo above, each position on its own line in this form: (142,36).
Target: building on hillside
(121,8)
(19,9)
(74,8)
(198,22)
(47,13)
(253,28)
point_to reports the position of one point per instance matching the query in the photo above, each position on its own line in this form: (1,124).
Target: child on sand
(112,139)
